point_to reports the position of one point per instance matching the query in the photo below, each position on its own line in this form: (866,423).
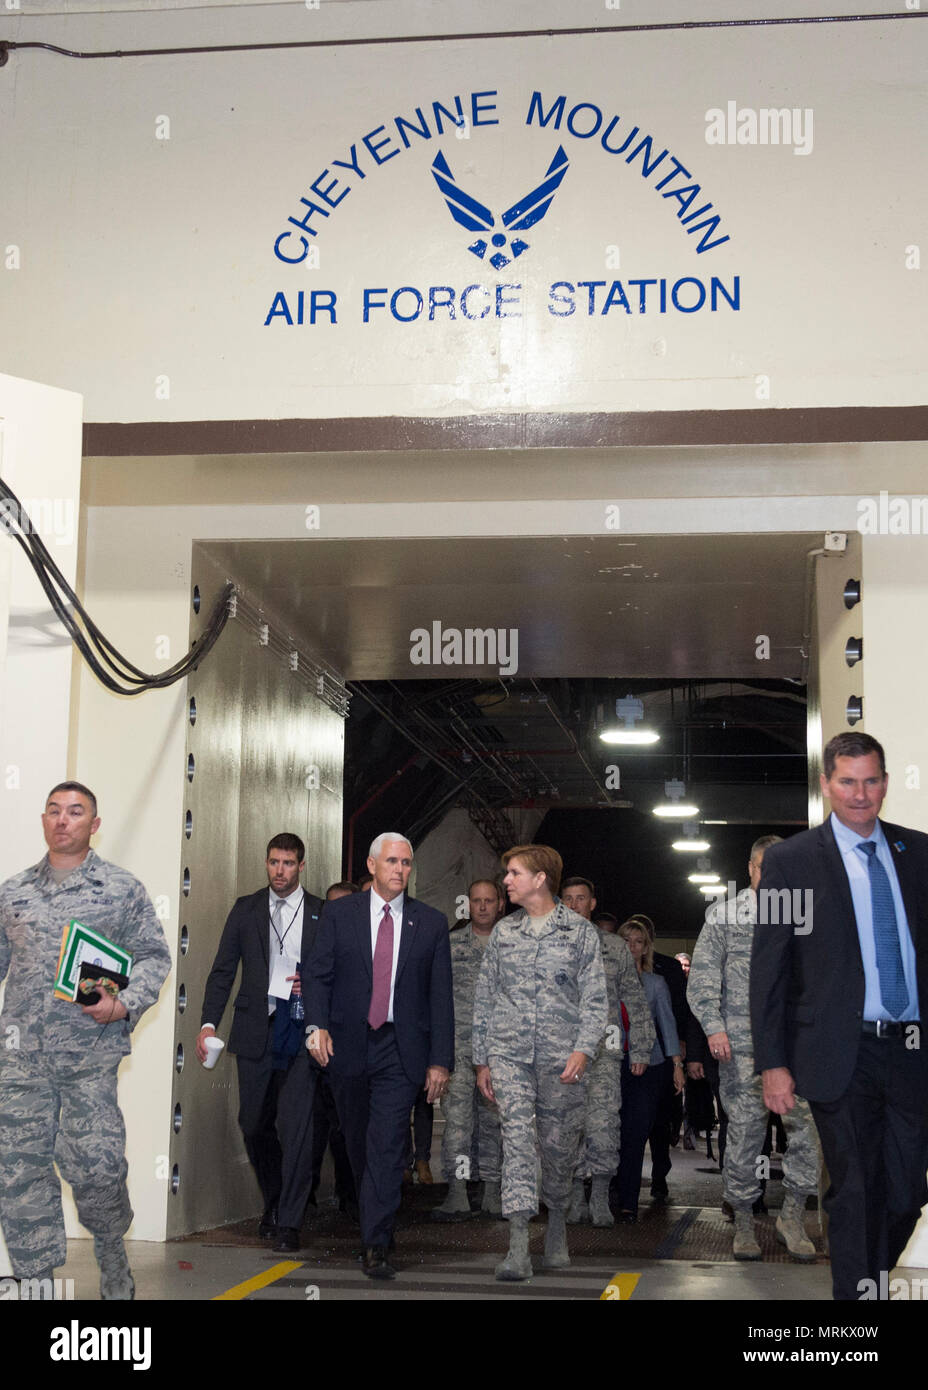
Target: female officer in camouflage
(539,1015)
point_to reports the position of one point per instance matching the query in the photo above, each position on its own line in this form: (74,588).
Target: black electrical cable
(6,47)
(98,651)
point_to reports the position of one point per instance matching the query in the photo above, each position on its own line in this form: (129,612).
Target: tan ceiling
(686,607)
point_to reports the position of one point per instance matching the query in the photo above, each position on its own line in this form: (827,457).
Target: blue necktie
(893,991)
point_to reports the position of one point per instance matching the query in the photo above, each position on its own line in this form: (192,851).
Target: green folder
(81,943)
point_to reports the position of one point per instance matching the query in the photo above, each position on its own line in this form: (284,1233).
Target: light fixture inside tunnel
(675,808)
(690,844)
(629,710)
(703,878)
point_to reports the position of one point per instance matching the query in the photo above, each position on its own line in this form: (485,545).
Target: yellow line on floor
(260,1281)
(620,1286)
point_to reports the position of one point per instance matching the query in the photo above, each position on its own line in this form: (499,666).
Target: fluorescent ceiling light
(676,810)
(629,736)
(691,846)
(703,878)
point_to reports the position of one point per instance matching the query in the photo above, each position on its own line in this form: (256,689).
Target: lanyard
(282,939)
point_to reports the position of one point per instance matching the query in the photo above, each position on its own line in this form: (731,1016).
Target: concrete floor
(698,1310)
(457,1260)
(202,1272)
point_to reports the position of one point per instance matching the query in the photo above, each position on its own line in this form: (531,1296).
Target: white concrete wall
(148,194)
(40,460)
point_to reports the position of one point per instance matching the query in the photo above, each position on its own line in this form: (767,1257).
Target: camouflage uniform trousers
(599,1149)
(464,1109)
(532,1099)
(59,1108)
(742,1096)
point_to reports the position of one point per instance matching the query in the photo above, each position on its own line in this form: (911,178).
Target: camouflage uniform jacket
(544,994)
(466,960)
(623,983)
(718,990)
(34,910)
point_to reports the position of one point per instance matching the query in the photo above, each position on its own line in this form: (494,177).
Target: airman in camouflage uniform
(463,1107)
(718,993)
(58,1060)
(539,1016)
(599,1147)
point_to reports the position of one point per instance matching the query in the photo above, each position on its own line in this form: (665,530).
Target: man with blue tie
(381,1014)
(839,965)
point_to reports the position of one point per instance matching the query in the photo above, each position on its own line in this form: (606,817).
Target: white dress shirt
(293,938)
(291,934)
(396,911)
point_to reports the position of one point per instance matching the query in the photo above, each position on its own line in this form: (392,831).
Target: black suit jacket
(245,938)
(341,980)
(807,986)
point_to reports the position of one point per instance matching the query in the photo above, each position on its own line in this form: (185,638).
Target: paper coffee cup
(213,1047)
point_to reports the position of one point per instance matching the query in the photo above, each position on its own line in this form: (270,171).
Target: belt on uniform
(887,1028)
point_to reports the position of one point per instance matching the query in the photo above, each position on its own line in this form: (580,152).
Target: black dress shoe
(628,1218)
(374,1263)
(288,1238)
(267,1228)
(359,1254)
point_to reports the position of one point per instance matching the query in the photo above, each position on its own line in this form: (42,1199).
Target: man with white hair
(380,1008)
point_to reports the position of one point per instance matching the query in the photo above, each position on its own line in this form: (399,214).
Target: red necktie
(383,969)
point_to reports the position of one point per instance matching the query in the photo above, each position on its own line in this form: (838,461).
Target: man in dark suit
(269,933)
(835,990)
(381,1014)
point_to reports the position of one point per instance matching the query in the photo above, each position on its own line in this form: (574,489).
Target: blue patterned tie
(893,991)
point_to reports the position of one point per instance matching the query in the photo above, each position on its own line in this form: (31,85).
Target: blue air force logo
(475,217)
